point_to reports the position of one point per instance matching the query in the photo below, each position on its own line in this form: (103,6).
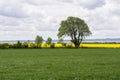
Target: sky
(24,19)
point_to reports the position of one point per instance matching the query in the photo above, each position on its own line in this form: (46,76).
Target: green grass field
(59,64)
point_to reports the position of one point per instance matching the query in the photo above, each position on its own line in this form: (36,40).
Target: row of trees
(74,27)
(39,40)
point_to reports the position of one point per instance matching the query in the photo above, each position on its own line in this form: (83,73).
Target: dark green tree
(49,40)
(19,44)
(75,28)
(38,39)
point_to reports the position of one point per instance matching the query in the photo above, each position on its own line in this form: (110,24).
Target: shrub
(53,45)
(18,45)
(70,45)
(31,45)
(4,46)
(24,45)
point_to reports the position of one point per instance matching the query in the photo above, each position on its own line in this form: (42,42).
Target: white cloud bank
(24,19)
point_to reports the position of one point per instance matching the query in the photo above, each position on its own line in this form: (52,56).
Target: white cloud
(21,18)
(90,4)
(12,8)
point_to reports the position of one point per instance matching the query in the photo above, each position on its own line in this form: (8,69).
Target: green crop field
(59,64)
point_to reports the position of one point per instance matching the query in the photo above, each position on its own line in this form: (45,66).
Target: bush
(4,46)
(70,46)
(19,44)
(24,45)
(53,45)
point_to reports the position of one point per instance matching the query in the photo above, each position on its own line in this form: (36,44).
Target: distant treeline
(20,45)
(38,44)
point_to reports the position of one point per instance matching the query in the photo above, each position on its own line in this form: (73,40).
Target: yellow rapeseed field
(101,45)
(83,45)
(92,45)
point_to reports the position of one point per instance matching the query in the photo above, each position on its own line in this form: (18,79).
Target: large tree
(74,27)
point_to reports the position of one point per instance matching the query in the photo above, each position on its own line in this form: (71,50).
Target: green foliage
(24,45)
(34,46)
(49,40)
(16,45)
(60,64)
(74,27)
(19,44)
(53,45)
(69,46)
(4,46)
(38,39)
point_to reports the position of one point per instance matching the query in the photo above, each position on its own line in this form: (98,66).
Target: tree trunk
(77,45)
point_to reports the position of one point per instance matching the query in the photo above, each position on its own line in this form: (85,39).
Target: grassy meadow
(59,64)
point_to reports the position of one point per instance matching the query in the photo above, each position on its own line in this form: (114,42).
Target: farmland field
(59,64)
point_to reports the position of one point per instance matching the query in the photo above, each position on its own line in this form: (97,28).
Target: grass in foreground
(60,64)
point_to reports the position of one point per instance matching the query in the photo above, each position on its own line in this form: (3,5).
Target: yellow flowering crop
(83,45)
(57,45)
(100,45)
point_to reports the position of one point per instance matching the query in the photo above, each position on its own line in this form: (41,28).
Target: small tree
(41,39)
(38,39)
(75,28)
(49,40)
(19,44)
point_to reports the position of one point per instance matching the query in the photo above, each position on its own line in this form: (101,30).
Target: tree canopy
(38,39)
(75,28)
(49,40)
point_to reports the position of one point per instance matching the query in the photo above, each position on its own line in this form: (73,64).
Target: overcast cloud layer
(24,19)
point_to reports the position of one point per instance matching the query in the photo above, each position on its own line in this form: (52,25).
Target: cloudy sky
(24,19)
